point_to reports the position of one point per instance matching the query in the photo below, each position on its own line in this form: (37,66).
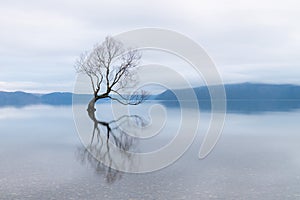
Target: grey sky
(255,40)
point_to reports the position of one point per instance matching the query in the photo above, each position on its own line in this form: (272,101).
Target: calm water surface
(42,157)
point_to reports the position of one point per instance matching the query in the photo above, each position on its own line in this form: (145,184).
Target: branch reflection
(104,135)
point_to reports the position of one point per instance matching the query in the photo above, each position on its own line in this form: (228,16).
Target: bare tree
(111,69)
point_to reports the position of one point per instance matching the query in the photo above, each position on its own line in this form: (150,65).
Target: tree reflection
(105,135)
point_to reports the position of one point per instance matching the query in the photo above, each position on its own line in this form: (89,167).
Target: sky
(249,41)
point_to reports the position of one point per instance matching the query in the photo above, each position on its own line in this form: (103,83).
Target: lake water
(42,157)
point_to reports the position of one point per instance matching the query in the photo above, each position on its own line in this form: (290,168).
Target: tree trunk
(91,106)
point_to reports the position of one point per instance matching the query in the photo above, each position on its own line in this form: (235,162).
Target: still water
(42,157)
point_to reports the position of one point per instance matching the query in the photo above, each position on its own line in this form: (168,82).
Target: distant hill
(243,97)
(19,99)
(57,98)
(243,91)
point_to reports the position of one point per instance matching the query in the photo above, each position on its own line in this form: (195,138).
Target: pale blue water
(41,157)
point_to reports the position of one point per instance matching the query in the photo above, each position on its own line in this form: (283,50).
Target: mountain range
(245,97)
(22,98)
(242,91)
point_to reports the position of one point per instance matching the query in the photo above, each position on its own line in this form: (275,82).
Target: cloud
(36,87)
(248,40)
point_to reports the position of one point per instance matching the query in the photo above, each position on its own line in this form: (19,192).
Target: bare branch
(133,99)
(111,68)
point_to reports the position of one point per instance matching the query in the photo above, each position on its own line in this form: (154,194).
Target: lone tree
(111,69)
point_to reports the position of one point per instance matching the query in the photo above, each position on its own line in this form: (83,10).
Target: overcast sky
(250,41)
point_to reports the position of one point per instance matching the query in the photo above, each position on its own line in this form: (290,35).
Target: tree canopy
(111,69)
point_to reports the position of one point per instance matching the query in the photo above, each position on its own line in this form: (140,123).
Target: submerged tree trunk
(91,105)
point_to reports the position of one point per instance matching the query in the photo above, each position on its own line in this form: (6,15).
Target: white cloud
(248,40)
(36,87)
